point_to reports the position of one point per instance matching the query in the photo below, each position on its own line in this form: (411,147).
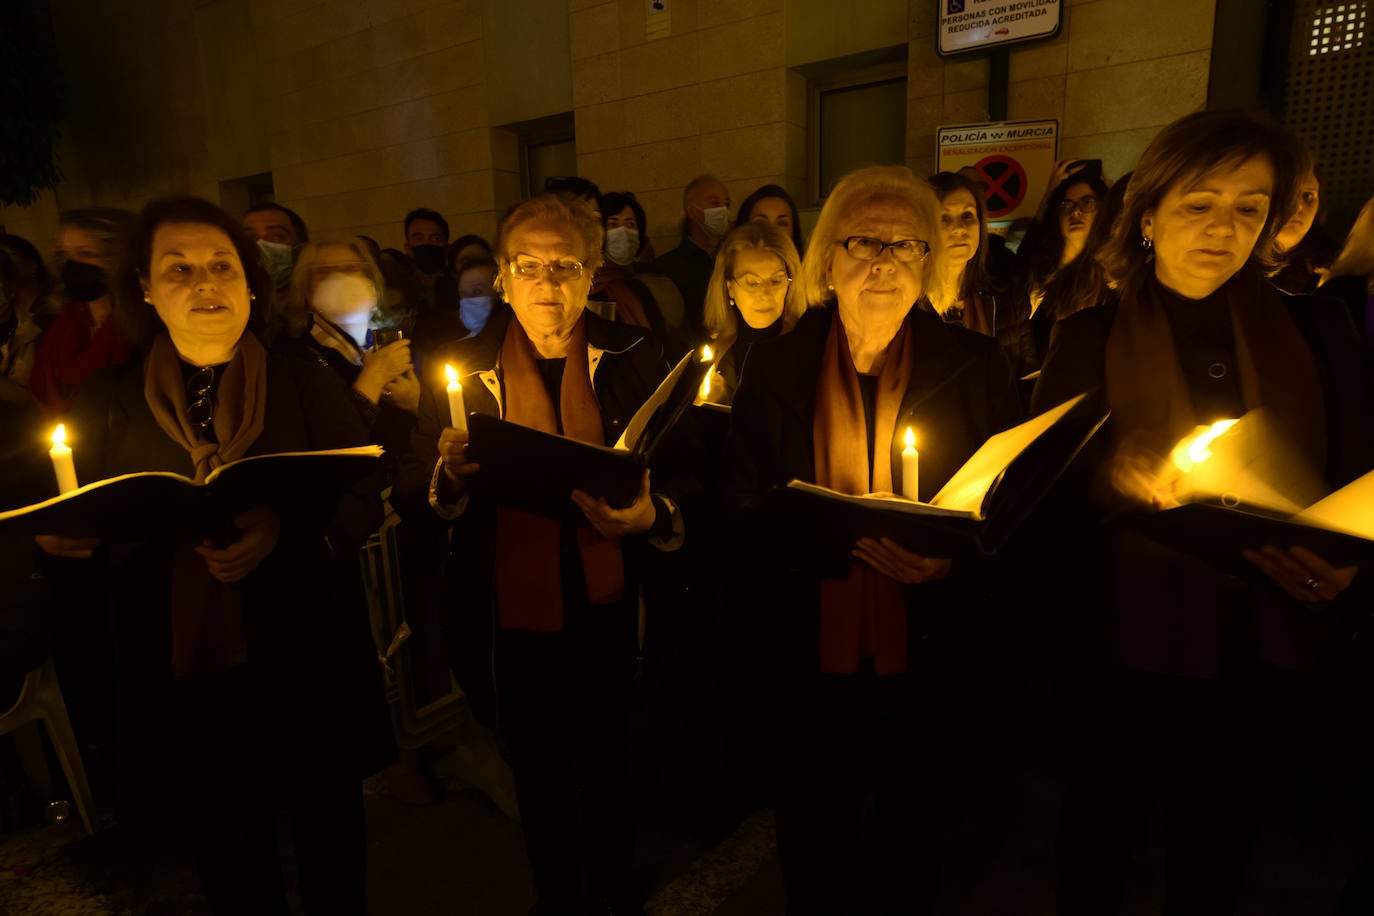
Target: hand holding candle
(62,463)
(458,415)
(911,475)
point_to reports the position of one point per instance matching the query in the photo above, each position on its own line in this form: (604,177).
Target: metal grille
(1329,99)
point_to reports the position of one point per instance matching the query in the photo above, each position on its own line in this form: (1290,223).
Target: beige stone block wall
(714,96)
(375,108)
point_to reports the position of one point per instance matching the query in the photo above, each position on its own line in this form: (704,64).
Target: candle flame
(59,435)
(1195,449)
(452,374)
(706,385)
(706,355)
(910,437)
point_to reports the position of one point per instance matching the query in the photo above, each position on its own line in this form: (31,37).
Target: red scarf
(863,615)
(69,353)
(614,281)
(529,584)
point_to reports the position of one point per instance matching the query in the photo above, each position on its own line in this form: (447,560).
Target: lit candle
(457,413)
(61,455)
(705,393)
(1194,449)
(911,473)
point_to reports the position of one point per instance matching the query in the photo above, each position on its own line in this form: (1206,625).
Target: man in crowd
(705,220)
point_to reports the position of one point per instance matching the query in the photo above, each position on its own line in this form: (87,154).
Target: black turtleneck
(1206,346)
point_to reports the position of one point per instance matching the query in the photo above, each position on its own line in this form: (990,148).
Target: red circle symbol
(1006,180)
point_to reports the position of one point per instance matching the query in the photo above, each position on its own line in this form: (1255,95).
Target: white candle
(61,455)
(911,473)
(457,413)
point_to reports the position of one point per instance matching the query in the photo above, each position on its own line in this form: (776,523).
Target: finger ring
(386,392)
(1313,583)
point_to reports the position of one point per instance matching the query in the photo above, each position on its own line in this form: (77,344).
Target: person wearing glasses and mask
(866,653)
(544,613)
(247,680)
(751,298)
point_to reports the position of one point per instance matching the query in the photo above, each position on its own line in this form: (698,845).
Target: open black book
(975,511)
(1217,528)
(151,502)
(536,472)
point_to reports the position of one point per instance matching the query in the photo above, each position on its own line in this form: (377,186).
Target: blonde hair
(1357,254)
(562,210)
(298,307)
(721,320)
(875,184)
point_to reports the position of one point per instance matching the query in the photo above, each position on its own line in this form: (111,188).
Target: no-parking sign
(1014,158)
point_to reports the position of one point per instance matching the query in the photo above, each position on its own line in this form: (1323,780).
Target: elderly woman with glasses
(545,612)
(860,646)
(750,298)
(247,681)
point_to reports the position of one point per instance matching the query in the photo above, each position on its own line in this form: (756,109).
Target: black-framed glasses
(201,409)
(562,270)
(863,248)
(1087,205)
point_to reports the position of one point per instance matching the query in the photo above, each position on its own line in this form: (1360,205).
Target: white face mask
(716,221)
(622,244)
(344,298)
(277,258)
(473,312)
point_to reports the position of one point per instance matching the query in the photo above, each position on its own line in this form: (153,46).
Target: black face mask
(429,258)
(82,282)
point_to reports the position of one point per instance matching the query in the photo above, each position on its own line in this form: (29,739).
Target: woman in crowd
(85,337)
(546,615)
(1191,677)
(751,297)
(1060,232)
(859,647)
(247,679)
(476,294)
(335,302)
(615,280)
(28,301)
(772,204)
(1302,247)
(1351,276)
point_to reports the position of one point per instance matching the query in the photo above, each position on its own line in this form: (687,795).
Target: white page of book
(1350,509)
(635,428)
(968,488)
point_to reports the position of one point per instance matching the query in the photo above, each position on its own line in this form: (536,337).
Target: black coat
(311,686)
(961,392)
(627,371)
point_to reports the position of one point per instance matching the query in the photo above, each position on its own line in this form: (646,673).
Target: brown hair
(975,279)
(1184,152)
(298,305)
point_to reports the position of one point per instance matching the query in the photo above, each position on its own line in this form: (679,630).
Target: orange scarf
(529,582)
(207,615)
(863,615)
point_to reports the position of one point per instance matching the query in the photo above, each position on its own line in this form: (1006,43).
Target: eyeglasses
(201,411)
(754,283)
(863,248)
(563,270)
(1086,205)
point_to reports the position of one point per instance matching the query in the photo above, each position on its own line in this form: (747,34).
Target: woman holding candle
(247,681)
(860,645)
(544,612)
(751,297)
(1189,677)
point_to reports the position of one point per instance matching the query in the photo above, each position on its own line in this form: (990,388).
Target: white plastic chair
(41,699)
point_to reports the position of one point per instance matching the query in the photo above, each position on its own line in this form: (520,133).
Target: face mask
(82,282)
(622,244)
(473,312)
(716,221)
(277,258)
(429,258)
(344,298)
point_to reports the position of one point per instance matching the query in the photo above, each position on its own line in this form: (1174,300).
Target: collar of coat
(479,358)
